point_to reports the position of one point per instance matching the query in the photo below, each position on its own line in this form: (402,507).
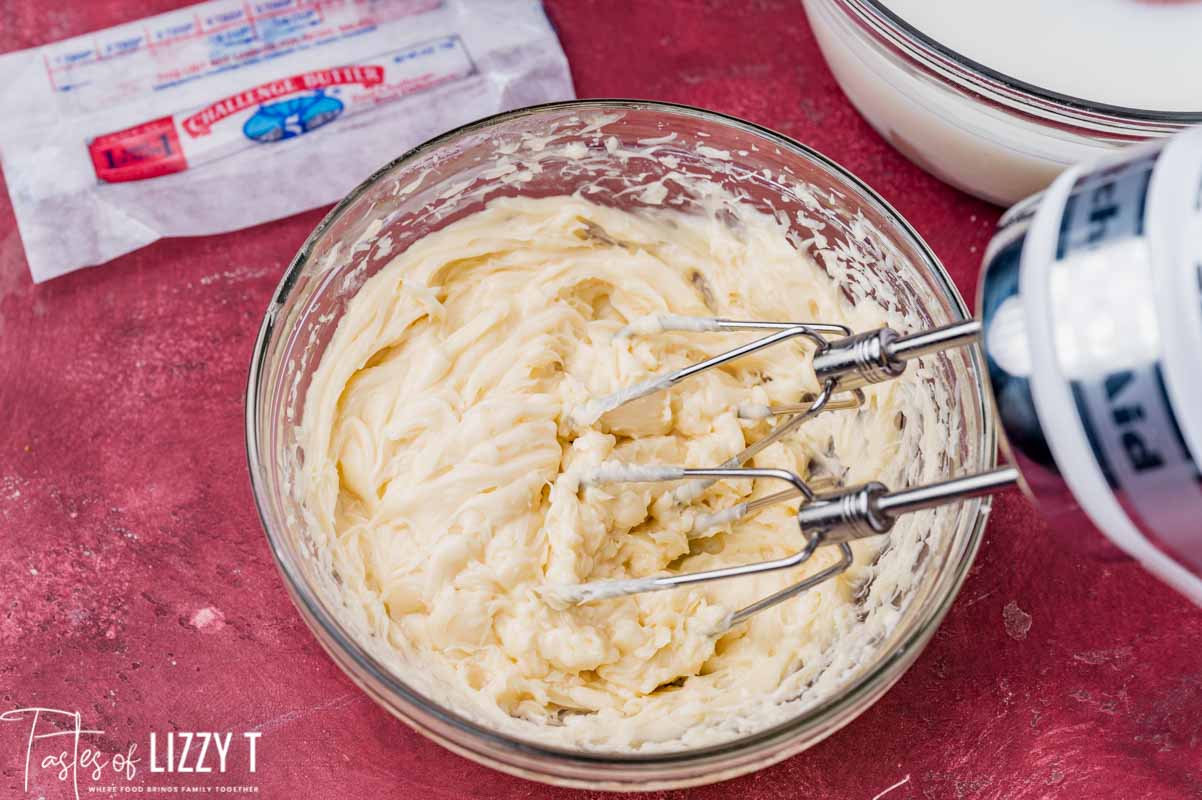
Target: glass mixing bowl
(455,175)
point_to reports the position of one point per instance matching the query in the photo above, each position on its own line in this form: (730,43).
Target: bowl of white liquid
(999,98)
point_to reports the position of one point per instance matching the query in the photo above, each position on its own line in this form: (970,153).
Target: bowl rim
(869,685)
(931,47)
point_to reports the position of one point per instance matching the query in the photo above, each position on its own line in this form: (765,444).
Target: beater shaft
(937,494)
(875,356)
(936,340)
(872,509)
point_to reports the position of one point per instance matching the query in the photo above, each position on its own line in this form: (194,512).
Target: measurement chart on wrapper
(170,49)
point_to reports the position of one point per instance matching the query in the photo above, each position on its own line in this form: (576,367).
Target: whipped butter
(444,474)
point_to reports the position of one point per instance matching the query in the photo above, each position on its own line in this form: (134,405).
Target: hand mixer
(1091,326)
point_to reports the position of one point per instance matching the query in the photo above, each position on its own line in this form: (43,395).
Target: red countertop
(138,588)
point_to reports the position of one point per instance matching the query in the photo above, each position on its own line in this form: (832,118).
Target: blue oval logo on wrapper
(285,119)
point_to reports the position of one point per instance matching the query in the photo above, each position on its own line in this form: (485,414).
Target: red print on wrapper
(143,151)
(201,123)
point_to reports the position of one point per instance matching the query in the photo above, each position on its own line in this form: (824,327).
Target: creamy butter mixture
(443,473)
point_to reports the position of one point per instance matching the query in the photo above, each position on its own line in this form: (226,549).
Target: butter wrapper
(228,114)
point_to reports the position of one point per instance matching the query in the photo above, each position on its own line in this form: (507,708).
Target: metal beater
(1100,415)
(843,365)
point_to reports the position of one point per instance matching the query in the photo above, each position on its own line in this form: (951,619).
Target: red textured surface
(125,507)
